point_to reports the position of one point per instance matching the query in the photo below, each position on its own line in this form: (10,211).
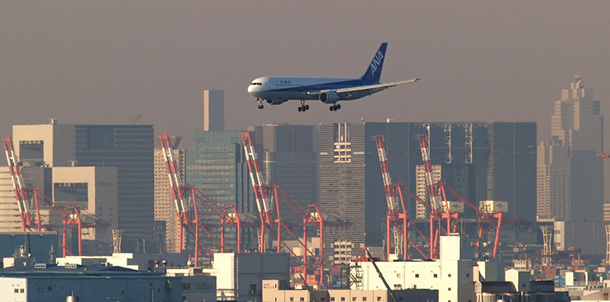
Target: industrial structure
(31,202)
(481,161)
(128,149)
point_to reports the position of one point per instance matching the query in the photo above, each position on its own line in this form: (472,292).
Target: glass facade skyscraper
(216,165)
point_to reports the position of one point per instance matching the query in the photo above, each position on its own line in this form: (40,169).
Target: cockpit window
(257,83)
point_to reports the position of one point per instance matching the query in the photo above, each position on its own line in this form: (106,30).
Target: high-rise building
(165,210)
(554,181)
(289,159)
(482,161)
(213,110)
(128,148)
(570,175)
(216,165)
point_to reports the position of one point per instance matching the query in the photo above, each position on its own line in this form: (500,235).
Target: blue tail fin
(373,73)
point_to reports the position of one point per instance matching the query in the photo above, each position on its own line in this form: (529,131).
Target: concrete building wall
(274,292)
(589,236)
(92,288)
(240,276)
(102,198)
(58,142)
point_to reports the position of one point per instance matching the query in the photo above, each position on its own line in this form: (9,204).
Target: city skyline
(94,63)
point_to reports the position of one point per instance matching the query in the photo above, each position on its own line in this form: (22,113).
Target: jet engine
(329,97)
(275,102)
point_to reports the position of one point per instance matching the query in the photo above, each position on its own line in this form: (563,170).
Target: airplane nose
(250,89)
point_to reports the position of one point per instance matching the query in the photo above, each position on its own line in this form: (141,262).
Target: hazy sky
(108,61)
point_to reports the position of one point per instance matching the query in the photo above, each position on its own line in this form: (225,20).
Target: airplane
(277,90)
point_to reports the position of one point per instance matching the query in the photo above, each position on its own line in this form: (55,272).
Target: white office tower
(213,110)
(570,175)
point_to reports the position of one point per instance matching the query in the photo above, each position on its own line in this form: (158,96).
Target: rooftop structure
(89,283)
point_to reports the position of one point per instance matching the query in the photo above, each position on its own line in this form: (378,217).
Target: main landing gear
(260,103)
(335,107)
(303,107)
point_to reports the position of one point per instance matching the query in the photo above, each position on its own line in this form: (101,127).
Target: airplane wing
(359,91)
(376,87)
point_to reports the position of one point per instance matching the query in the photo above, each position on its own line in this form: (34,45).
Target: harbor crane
(27,196)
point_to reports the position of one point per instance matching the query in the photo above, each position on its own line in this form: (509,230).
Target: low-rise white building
(275,291)
(239,277)
(453,275)
(139,262)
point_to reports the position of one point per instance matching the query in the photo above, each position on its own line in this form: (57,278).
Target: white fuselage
(298,88)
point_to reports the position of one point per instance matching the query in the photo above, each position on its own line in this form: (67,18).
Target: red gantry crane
(187,208)
(268,198)
(21,193)
(26,196)
(396,218)
(436,203)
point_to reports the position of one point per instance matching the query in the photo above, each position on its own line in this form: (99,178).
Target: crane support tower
(396,219)
(70,216)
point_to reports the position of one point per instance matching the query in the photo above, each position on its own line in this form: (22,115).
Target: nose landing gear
(260,103)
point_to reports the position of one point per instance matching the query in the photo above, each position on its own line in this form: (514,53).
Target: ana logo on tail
(376,61)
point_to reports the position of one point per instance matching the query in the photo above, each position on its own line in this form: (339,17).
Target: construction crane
(268,198)
(385,283)
(264,203)
(70,216)
(602,155)
(311,293)
(396,220)
(187,207)
(21,194)
(436,211)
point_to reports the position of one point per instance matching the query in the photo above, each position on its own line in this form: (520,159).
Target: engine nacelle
(329,97)
(275,102)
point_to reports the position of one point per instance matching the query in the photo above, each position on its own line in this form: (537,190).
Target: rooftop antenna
(136,119)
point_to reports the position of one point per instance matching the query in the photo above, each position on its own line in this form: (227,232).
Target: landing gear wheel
(261,106)
(335,107)
(303,107)
(260,103)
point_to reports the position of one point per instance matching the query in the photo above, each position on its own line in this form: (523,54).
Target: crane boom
(435,201)
(21,194)
(175,181)
(387,286)
(264,203)
(385,173)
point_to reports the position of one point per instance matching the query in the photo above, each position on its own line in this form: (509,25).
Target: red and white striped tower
(394,217)
(176,185)
(434,196)
(263,201)
(21,193)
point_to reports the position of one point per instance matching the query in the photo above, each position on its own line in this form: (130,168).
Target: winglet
(373,73)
